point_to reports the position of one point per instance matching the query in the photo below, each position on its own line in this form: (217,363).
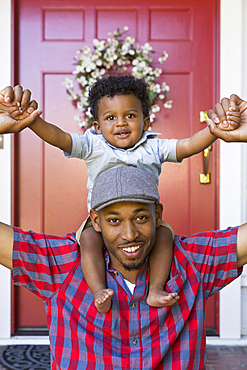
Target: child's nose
(121,121)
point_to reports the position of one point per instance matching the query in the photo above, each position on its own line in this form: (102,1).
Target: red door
(49,190)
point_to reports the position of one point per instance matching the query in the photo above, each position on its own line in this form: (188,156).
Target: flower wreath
(113,55)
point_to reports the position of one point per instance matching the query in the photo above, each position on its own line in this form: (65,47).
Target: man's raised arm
(6,245)
(242,245)
(223,111)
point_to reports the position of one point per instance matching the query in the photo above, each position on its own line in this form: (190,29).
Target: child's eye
(130,115)
(110,118)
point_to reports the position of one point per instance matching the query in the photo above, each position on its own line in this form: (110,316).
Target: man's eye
(113,220)
(141,218)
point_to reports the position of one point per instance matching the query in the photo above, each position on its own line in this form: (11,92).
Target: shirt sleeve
(214,256)
(167,150)
(41,262)
(81,145)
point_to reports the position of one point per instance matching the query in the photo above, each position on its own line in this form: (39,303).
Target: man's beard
(132,266)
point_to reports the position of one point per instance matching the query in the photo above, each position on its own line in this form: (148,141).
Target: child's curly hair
(117,84)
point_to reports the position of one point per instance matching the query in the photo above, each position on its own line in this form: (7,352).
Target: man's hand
(16,110)
(226,117)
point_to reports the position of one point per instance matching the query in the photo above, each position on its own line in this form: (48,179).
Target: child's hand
(16,110)
(227,114)
(229,120)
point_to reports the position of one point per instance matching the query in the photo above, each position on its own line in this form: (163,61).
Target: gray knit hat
(124,183)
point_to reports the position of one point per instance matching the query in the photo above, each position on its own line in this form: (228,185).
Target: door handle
(205,176)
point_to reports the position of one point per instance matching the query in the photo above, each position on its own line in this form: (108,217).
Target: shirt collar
(142,274)
(145,136)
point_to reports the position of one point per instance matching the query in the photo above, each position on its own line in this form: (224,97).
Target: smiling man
(132,335)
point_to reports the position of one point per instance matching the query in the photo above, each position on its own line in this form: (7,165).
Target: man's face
(120,120)
(128,230)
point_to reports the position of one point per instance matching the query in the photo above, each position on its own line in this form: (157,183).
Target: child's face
(120,120)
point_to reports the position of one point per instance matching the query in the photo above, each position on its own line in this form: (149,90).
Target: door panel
(51,190)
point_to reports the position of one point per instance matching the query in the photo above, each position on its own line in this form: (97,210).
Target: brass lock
(203,116)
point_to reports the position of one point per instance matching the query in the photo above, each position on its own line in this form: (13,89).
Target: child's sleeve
(82,145)
(167,150)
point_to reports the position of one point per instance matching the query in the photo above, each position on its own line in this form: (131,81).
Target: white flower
(165,55)
(82,124)
(82,81)
(130,40)
(126,28)
(155,108)
(68,83)
(152,117)
(146,47)
(168,104)
(165,87)
(72,96)
(86,50)
(80,106)
(157,88)
(88,113)
(161,96)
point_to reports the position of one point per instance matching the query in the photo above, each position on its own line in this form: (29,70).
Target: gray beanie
(124,183)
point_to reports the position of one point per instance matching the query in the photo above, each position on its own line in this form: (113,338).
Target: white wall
(5,185)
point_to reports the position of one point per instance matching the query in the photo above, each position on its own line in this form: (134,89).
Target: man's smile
(131,249)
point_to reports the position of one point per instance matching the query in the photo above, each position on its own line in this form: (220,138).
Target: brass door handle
(205,177)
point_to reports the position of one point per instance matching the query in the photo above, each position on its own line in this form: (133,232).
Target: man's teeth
(131,249)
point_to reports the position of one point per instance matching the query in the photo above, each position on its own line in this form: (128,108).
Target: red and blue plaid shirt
(131,335)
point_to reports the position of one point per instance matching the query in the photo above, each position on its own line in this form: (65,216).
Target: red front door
(50,191)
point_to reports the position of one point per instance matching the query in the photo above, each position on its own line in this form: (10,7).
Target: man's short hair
(123,183)
(122,85)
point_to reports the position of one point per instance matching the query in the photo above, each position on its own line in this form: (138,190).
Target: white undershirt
(130,285)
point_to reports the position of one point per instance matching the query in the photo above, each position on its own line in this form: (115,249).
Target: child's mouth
(123,134)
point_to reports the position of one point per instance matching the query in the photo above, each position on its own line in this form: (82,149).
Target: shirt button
(115,273)
(133,306)
(134,341)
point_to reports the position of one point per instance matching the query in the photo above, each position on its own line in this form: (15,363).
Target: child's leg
(93,267)
(160,264)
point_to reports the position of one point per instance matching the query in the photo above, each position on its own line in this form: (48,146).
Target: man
(132,335)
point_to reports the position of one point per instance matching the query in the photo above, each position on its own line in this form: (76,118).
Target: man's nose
(129,231)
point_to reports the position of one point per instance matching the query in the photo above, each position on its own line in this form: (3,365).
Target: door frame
(229,82)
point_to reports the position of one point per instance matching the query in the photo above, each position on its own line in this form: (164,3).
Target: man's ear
(146,123)
(158,214)
(95,220)
(96,126)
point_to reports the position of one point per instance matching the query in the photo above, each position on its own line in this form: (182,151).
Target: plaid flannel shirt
(131,335)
